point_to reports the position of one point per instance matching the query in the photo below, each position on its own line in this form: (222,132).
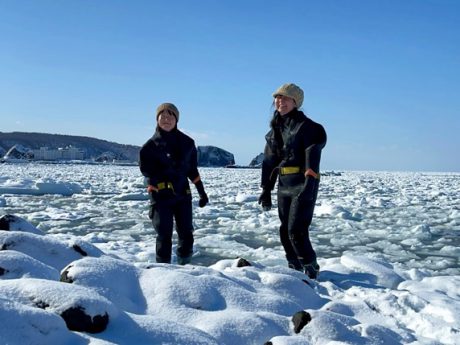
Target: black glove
(203,200)
(265,199)
(203,196)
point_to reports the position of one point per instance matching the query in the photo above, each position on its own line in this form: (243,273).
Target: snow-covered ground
(388,246)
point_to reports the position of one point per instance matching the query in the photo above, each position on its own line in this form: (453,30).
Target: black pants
(295,217)
(163,213)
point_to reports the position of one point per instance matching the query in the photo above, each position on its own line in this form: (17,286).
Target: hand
(151,189)
(265,199)
(203,200)
(156,194)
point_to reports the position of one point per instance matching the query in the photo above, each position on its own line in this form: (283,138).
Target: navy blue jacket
(169,157)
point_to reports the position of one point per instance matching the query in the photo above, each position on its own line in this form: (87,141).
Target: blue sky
(383,77)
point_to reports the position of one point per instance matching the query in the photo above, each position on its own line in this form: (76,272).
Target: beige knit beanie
(292,91)
(169,107)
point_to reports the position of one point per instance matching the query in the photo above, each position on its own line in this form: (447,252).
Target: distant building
(68,153)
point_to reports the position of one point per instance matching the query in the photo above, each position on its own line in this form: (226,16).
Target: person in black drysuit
(293,152)
(168,160)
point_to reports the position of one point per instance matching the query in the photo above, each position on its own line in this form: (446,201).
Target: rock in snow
(15,223)
(55,291)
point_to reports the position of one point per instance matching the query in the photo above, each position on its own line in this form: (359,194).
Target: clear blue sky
(383,77)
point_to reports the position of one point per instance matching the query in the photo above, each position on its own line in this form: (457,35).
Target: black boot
(184,260)
(311,270)
(295,265)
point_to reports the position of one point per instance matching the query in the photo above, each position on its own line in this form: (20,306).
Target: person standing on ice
(168,160)
(293,153)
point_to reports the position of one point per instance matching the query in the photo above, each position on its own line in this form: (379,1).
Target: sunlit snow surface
(388,246)
(412,219)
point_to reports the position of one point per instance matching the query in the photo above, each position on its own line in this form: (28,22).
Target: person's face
(166,121)
(284,104)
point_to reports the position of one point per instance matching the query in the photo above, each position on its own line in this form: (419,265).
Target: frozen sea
(386,240)
(410,219)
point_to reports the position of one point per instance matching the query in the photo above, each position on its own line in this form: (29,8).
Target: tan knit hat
(292,91)
(170,107)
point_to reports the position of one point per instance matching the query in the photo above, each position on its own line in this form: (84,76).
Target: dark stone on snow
(268,343)
(6,245)
(5,222)
(77,320)
(65,276)
(300,319)
(2,271)
(78,249)
(42,305)
(307,282)
(243,263)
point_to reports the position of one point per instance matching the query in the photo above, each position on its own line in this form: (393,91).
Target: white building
(68,153)
(72,153)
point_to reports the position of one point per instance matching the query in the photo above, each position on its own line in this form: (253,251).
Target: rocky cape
(96,149)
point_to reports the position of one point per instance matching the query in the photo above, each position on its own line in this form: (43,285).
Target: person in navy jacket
(168,160)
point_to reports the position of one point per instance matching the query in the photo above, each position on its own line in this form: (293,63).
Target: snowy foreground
(80,255)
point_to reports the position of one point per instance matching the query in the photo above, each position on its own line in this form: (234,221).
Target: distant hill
(92,147)
(97,149)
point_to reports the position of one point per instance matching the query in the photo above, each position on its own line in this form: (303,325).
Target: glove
(203,200)
(203,196)
(265,199)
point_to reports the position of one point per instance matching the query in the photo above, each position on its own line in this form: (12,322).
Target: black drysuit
(294,146)
(168,160)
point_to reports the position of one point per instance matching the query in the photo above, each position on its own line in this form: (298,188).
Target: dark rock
(42,305)
(10,222)
(65,278)
(268,343)
(18,152)
(243,263)
(211,156)
(77,320)
(5,222)
(105,157)
(257,161)
(300,319)
(307,282)
(331,173)
(2,271)
(6,245)
(78,249)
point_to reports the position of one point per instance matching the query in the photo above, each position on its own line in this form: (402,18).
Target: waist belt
(169,185)
(165,185)
(289,170)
